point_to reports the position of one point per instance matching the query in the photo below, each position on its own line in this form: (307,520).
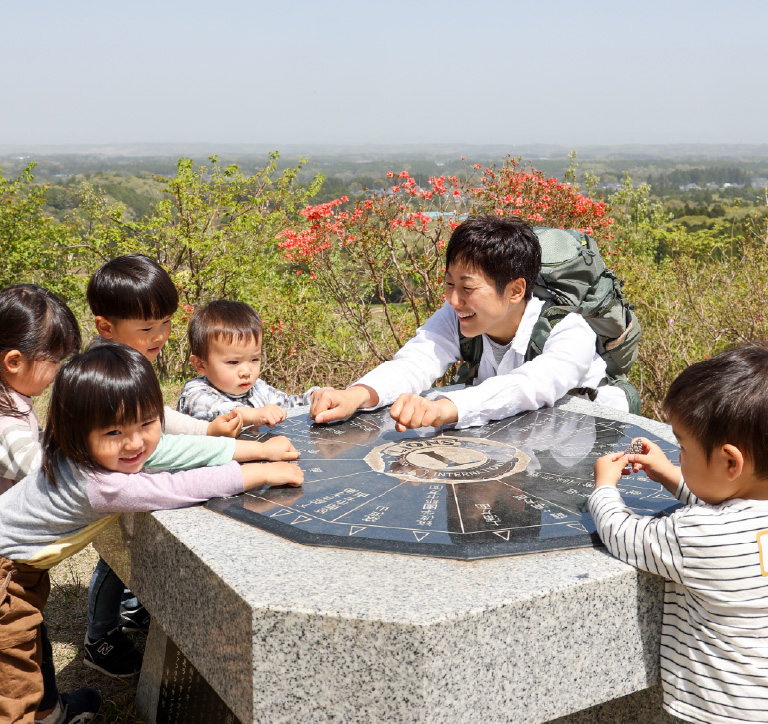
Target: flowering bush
(381,258)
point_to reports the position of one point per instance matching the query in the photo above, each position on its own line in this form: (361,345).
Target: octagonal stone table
(251,627)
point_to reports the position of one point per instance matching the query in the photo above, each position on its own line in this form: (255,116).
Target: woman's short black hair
(503,249)
(132,287)
(108,384)
(724,400)
(222,320)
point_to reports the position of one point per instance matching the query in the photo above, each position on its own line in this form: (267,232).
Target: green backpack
(574,278)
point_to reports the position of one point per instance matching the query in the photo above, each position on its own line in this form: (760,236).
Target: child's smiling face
(232,367)
(147,336)
(124,448)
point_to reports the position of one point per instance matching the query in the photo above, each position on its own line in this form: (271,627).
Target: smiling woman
(492,265)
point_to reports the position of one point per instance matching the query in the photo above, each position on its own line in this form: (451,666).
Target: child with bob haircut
(37,331)
(132,299)
(491,267)
(225,340)
(713,552)
(104,427)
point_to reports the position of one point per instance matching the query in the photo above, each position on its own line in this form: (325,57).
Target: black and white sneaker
(136,619)
(80,706)
(114,655)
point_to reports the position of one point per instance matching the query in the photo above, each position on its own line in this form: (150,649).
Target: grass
(65,615)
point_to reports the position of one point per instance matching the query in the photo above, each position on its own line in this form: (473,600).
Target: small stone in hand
(635,447)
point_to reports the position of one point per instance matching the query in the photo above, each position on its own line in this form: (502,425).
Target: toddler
(225,341)
(93,470)
(714,550)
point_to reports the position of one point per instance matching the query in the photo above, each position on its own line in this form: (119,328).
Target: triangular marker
(301,519)
(282,511)
(356,528)
(420,535)
(577,526)
(502,534)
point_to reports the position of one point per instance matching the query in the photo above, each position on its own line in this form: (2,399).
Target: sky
(396,72)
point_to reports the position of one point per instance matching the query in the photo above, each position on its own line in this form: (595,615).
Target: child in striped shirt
(713,551)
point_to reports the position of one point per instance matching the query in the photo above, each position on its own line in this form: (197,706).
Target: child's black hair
(503,249)
(724,400)
(132,287)
(222,320)
(107,385)
(38,324)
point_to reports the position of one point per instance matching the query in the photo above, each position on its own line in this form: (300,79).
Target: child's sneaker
(114,655)
(136,619)
(80,706)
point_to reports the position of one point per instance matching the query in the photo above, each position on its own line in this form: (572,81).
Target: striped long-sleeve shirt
(714,640)
(202,400)
(19,442)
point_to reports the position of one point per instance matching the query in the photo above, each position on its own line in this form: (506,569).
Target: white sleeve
(177,423)
(421,360)
(564,364)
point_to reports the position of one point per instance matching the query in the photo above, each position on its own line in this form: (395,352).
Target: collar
(530,316)
(231,397)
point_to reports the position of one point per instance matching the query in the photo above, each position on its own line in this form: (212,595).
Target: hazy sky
(400,71)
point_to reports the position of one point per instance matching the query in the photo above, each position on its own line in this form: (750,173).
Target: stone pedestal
(285,632)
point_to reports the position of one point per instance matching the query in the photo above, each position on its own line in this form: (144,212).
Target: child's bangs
(240,337)
(143,303)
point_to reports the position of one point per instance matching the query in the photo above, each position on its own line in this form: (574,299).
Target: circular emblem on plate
(447,459)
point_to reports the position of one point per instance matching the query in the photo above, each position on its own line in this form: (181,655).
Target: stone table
(284,632)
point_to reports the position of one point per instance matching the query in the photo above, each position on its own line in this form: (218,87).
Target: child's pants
(105,593)
(23,594)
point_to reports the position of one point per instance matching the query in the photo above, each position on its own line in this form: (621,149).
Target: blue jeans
(106,594)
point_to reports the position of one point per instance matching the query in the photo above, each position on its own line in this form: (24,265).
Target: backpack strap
(471,349)
(551,314)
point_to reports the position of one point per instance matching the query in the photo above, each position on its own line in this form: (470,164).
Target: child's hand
(656,465)
(227,425)
(610,468)
(278,448)
(255,474)
(269,415)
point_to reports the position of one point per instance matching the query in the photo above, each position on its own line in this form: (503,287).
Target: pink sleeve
(138,492)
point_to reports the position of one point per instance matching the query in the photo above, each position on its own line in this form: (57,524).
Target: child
(491,269)
(37,331)
(93,470)
(132,299)
(714,550)
(225,340)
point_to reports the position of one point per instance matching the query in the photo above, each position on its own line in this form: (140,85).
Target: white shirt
(568,361)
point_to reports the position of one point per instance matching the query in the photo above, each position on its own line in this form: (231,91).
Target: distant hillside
(390,152)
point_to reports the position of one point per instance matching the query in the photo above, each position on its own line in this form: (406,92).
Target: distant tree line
(703,175)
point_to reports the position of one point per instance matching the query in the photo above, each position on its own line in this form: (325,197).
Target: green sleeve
(183,452)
